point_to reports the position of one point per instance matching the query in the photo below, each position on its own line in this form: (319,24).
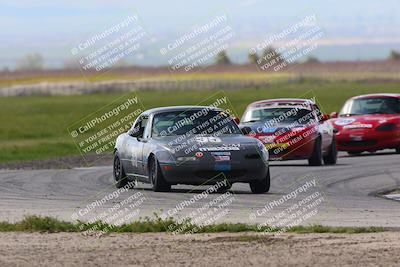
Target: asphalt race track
(349,191)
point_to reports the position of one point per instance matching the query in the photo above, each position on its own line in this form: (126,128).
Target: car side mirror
(136,132)
(334,115)
(246,130)
(325,117)
(132,133)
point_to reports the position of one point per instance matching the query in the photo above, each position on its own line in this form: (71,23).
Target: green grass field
(156,225)
(36,127)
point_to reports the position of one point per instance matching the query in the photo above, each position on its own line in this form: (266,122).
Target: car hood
(205,139)
(236,142)
(261,128)
(364,121)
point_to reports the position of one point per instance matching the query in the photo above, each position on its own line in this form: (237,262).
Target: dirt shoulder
(219,249)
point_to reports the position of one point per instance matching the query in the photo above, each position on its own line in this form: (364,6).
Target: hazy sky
(53,27)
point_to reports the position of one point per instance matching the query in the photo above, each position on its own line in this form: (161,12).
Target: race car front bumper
(206,171)
(296,147)
(358,141)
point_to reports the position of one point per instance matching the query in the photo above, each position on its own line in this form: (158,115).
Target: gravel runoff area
(217,249)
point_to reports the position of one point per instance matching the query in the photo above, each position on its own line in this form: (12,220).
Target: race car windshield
(282,115)
(364,106)
(193,122)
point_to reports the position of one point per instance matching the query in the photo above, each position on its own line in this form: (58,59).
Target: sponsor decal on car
(208,139)
(199,154)
(356,137)
(358,126)
(230,147)
(222,161)
(277,145)
(222,167)
(221,156)
(269,130)
(342,122)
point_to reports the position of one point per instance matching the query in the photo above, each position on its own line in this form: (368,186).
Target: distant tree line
(254,58)
(35,61)
(31,62)
(394,55)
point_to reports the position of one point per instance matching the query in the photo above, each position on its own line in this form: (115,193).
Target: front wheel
(119,175)
(261,186)
(331,157)
(316,157)
(156,178)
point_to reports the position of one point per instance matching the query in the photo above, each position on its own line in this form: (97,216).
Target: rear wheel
(261,186)
(316,157)
(119,175)
(331,157)
(157,180)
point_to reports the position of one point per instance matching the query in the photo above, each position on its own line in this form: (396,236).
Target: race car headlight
(386,127)
(299,128)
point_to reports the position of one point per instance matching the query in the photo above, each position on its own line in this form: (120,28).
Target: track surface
(349,189)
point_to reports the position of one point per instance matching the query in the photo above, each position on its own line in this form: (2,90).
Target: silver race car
(189,145)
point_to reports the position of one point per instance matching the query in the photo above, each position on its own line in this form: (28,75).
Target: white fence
(77,88)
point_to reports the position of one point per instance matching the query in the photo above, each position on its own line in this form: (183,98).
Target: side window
(146,127)
(138,128)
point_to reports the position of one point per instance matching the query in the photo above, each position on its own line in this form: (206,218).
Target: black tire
(261,186)
(398,150)
(331,157)
(316,157)
(223,189)
(354,153)
(156,178)
(119,175)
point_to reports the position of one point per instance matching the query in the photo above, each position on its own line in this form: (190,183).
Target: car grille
(229,174)
(252,156)
(359,143)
